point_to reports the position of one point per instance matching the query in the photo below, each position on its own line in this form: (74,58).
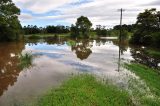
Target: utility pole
(121,16)
(120,38)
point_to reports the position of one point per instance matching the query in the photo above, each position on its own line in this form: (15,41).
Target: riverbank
(152,78)
(63,35)
(43,36)
(85,90)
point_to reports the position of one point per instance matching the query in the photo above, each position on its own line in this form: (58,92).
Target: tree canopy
(84,25)
(148,28)
(9,23)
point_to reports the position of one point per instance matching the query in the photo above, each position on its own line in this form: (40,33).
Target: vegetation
(148,28)
(127,31)
(151,78)
(30,29)
(82,28)
(153,53)
(10,27)
(101,30)
(85,90)
(26,60)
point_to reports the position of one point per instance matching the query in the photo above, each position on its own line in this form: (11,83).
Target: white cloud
(99,11)
(41,6)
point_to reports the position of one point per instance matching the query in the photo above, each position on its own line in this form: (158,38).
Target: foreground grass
(151,78)
(25,60)
(85,90)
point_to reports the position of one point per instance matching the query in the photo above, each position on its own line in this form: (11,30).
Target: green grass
(41,36)
(65,35)
(85,90)
(151,78)
(26,60)
(153,53)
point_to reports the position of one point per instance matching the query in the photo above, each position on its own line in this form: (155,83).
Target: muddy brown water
(55,60)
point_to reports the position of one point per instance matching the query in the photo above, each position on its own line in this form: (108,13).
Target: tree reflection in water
(9,61)
(140,55)
(82,49)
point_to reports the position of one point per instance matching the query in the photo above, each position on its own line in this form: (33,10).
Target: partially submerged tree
(10,26)
(84,26)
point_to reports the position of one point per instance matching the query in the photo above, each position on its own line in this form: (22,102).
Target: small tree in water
(84,26)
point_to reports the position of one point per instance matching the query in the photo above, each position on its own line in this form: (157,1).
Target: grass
(65,35)
(41,36)
(151,78)
(85,90)
(25,60)
(153,53)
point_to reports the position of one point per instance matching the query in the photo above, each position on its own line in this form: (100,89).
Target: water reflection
(9,70)
(57,57)
(82,49)
(140,55)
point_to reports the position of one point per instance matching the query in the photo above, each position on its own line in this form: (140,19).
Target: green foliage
(113,32)
(148,28)
(71,43)
(125,35)
(10,27)
(34,37)
(26,60)
(74,31)
(129,28)
(85,90)
(59,29)
(153,53)
(156,39)
(83,26)
(101,31)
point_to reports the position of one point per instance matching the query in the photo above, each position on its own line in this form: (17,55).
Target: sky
(65,12)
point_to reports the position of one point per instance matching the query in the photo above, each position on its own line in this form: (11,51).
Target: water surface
(55,60)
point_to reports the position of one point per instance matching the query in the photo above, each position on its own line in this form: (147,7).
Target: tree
(74,31)
(148,20)
(100,30)
(10,26)
(148,28)
(84,25)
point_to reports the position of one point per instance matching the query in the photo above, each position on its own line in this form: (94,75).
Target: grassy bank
(153,53)
(41,36)
(152,78)
(85,90)
(65,35)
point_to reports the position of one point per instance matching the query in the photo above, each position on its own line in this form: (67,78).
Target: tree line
(82,28)
(33,29)
(146,31)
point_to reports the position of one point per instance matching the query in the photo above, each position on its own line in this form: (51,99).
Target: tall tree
(84,25)
(148,28)
(9,24)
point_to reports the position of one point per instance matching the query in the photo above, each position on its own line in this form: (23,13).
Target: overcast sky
(65,12)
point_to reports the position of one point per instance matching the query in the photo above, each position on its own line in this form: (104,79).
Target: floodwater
(55,60)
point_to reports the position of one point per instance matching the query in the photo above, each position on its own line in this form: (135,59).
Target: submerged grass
(85,90)
(25,60)
(152,79)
